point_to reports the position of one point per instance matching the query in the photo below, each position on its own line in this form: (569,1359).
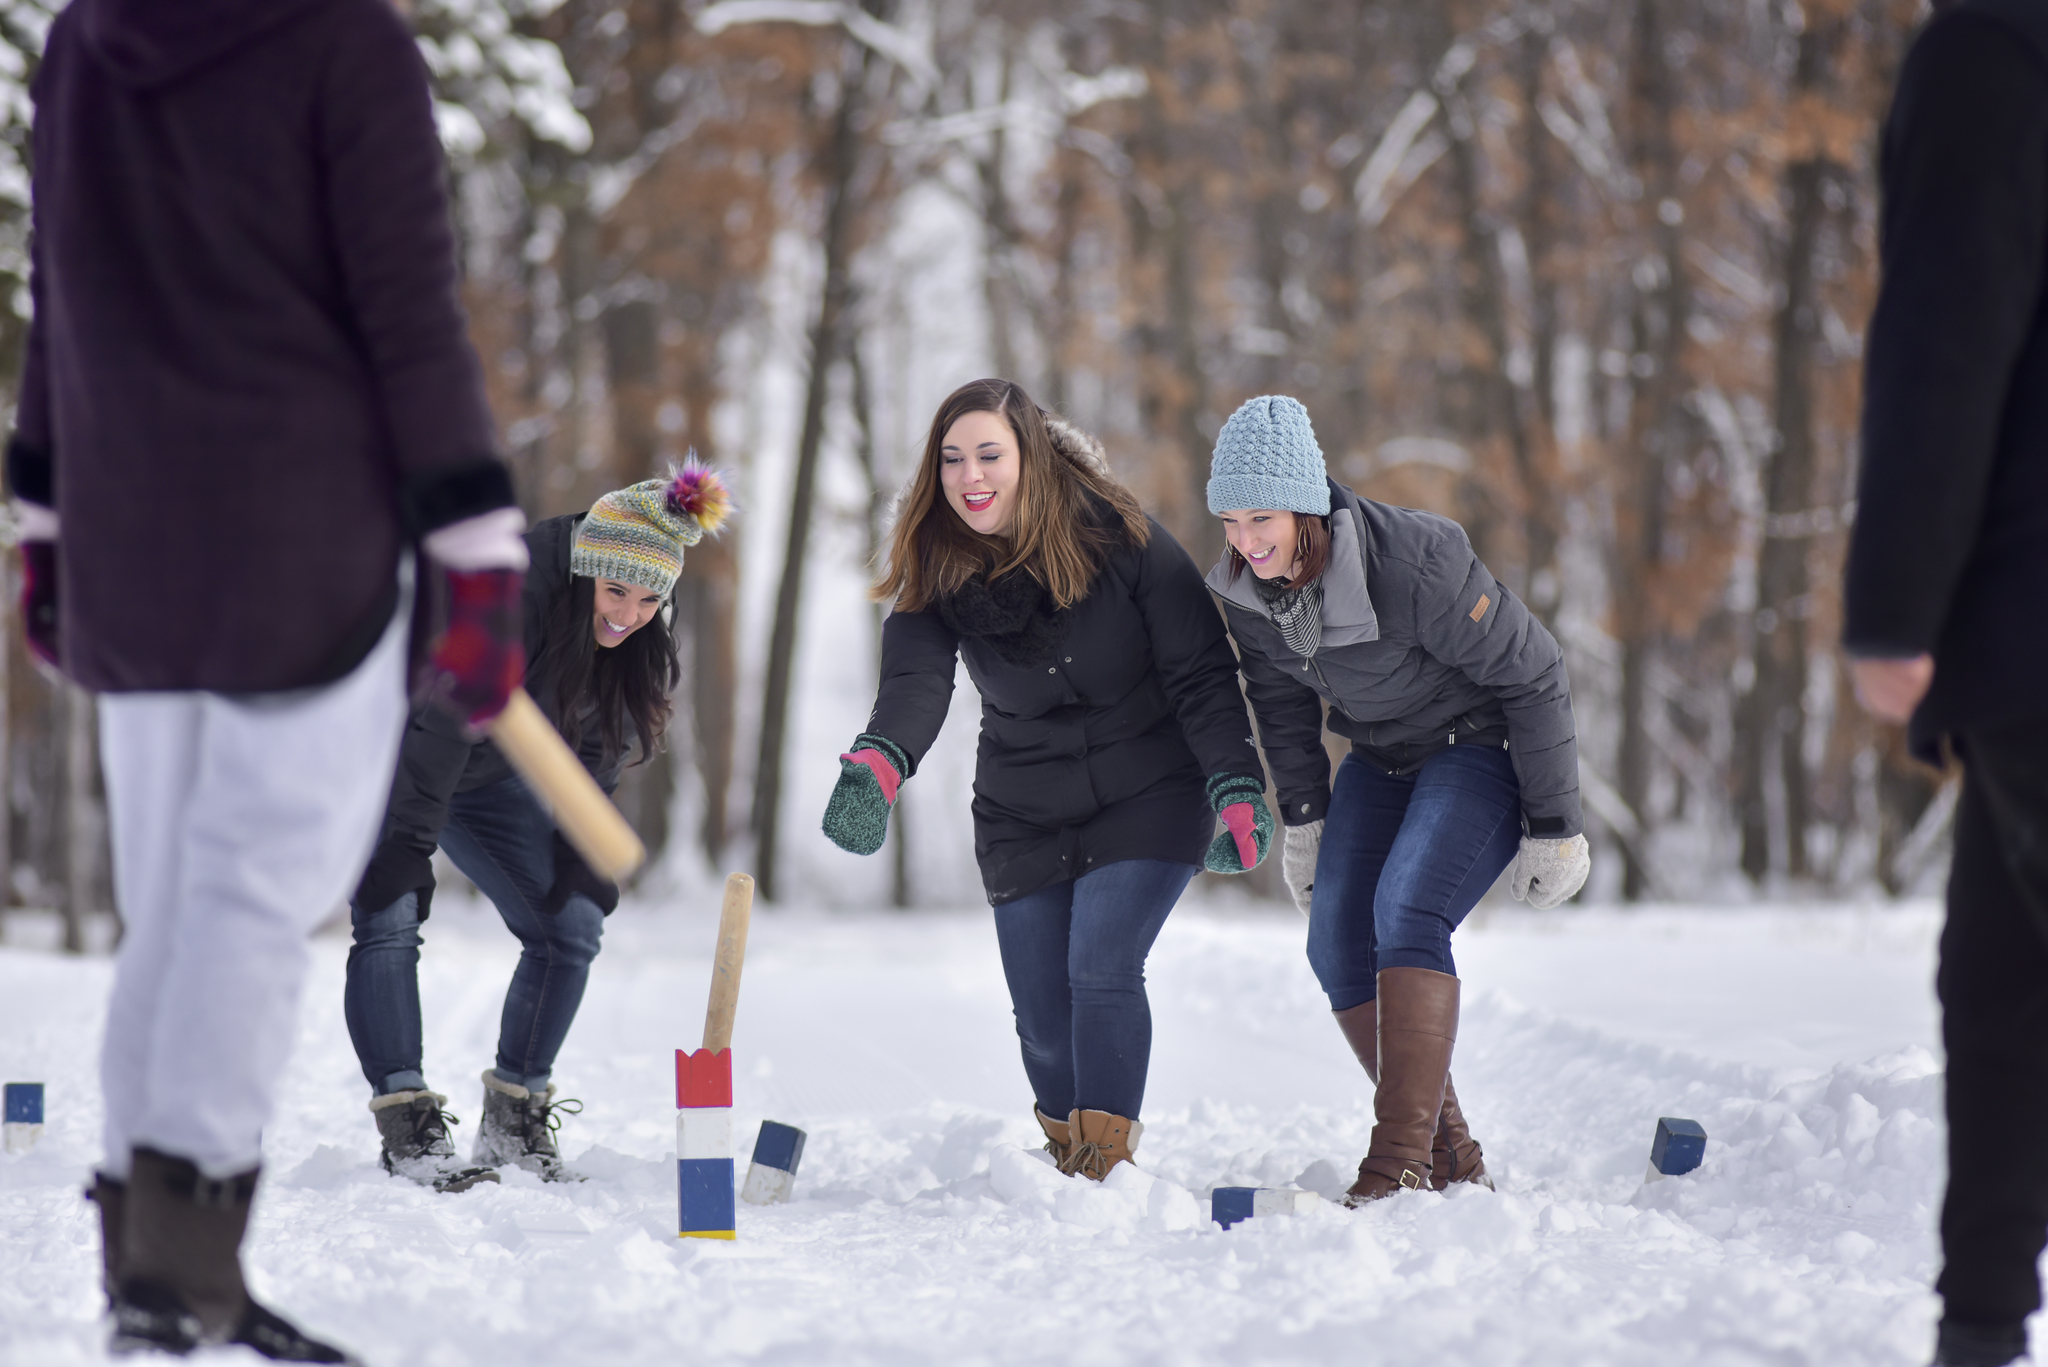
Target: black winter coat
(437,760)
(249,378)
(1950,549)
(1098,751)
(1421,649)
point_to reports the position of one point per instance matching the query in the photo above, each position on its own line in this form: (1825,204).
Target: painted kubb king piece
(1463,759)
(704,1154)
(595,623)
(1113,736)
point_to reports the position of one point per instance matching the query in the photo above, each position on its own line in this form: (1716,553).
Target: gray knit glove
(1546,872)
(1298,850)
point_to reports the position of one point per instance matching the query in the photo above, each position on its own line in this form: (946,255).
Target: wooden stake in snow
(704,1161)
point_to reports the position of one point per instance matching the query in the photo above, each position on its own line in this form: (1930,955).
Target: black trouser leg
(1993,984)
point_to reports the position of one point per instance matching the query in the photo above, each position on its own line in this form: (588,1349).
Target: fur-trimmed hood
(1082,448)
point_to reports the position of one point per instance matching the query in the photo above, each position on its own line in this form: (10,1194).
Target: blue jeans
(1074,955)
(1404,859)
(503,841)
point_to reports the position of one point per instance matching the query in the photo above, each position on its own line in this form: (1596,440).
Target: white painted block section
(704,1132)
(1283,1201)
(20,1138)
(766,1186)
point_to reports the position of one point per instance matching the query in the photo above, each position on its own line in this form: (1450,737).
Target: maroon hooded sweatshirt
(248,381)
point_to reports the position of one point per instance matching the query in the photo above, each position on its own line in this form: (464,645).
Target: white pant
(238,823)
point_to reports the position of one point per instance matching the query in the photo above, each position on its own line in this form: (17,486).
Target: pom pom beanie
(637,535)
(1267,457)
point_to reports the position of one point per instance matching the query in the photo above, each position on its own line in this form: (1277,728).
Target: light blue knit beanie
(1267,457)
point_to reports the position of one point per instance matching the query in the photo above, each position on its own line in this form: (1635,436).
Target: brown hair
(1311,550)
(1054,535)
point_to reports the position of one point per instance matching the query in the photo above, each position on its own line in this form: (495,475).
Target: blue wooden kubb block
(1678,1147)
(24,1117)
(777,1151)
(1230,1205)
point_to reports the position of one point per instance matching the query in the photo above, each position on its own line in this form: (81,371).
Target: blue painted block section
(1678,1147)
(1228,1205)
(24,1103)
(779,1146)
(707,1198)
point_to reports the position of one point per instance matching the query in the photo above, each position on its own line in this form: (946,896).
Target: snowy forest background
(1589,277)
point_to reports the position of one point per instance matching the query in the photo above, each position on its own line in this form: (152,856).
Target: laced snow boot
(1454,1155)
(1100,1142)
(416,1142)
(112,1198)
(518,1130)
(180,1263)
(1979,1345)
(1418,1024)
(1059,1137)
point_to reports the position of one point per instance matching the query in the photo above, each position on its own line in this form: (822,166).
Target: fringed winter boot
(1101,1141)
(180,1266)
(1418,1025)
(1454,1155)
(518,1130)
(1059,1137)
(416,1142)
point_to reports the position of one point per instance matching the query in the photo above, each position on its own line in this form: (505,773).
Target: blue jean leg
(381,998)
(502,839)
(1074,956)
(1403,862)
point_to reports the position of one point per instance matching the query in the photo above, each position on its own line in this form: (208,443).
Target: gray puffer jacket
(1421,649)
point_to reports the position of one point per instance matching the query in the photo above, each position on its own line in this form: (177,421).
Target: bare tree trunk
(878,509)
(840,162)
(1655,426)
(1772,719)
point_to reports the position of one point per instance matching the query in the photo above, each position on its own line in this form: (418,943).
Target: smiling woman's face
(1265,537)
(978,468)
(622,609)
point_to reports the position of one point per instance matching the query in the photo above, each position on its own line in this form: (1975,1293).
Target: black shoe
(416,1142)
(518,1129)
(1979,1345)
(151,1319)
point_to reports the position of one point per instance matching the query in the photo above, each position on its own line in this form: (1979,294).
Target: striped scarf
(1297,612)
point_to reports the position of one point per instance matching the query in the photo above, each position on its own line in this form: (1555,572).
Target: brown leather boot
(1059,1137)
(1454,1155)
(1418,1025)
(1101,1141)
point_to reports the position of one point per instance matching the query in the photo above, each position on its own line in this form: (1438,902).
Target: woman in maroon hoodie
(248,388)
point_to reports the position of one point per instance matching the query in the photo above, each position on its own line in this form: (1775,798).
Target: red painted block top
(703,1078)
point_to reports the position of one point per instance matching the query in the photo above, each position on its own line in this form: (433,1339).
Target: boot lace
(544,1121)
(430,1130)
(1088,1157)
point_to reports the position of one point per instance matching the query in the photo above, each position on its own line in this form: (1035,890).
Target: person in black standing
(1944,622)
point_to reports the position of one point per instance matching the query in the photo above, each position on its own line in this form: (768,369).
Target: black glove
(572,876)
(394,871)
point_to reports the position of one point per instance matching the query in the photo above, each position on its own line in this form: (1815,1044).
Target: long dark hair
(629,681)
(1053,536)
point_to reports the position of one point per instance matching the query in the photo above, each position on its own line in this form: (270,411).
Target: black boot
(1979,1345)
(180,1281)
(518,1129)
(111,1197)
(416,1142)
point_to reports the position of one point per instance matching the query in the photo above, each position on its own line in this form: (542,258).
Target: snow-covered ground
(926,1229)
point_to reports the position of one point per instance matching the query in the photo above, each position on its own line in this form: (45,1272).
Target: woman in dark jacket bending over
(1112,736)
(1463,759)
(602,663)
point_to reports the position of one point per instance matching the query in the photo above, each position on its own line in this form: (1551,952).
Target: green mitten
(1248,826)
(857,817)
